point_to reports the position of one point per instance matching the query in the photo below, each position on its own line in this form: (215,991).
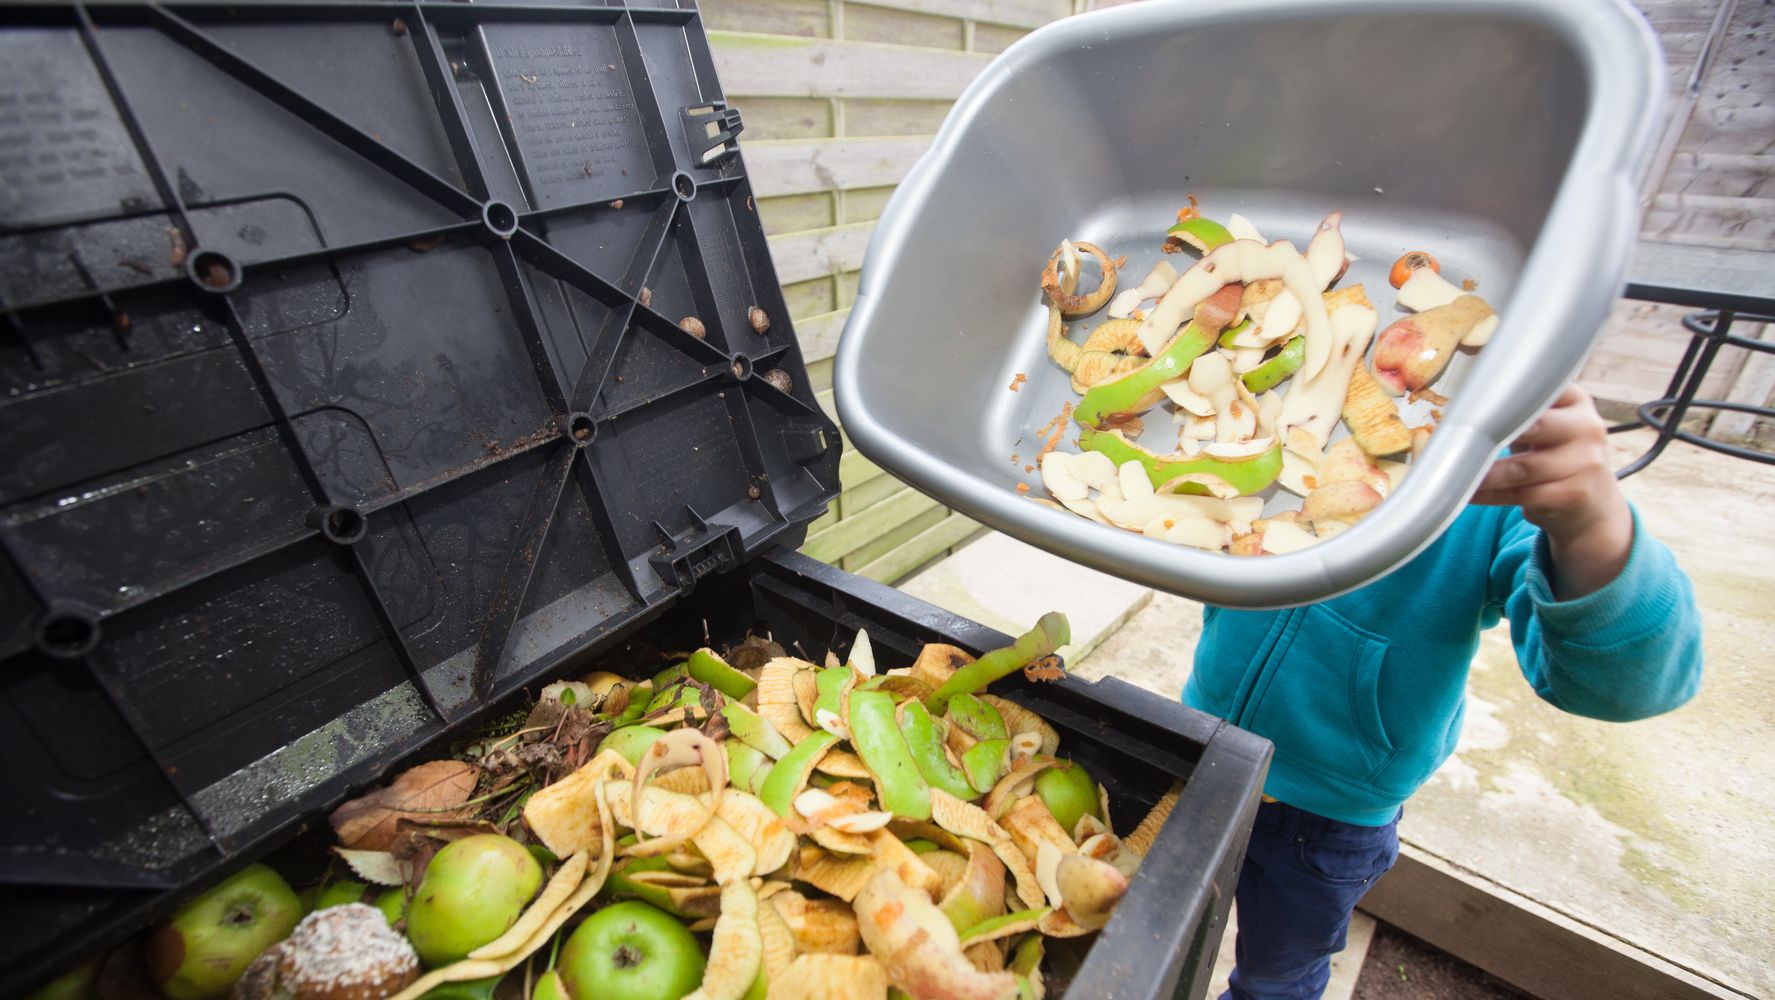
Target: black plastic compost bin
(350,391)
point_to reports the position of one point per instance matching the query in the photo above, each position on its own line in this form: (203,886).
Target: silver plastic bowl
(1507,137)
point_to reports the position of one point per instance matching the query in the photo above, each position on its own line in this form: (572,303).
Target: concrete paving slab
(1658,832)
(999,581)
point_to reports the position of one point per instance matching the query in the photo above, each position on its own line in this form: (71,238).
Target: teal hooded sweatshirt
(1363,694)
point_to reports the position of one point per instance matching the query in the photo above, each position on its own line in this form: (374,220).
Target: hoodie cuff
(1637,602)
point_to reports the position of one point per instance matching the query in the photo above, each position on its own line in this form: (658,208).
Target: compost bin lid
(349,385)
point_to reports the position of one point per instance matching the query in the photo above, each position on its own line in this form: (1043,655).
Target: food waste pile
(744,824)
(1258,355)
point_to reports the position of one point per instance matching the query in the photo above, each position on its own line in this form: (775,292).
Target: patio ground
(1656,833)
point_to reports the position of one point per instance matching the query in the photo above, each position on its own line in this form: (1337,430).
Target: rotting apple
(205,947)
(473,890)
(630,951)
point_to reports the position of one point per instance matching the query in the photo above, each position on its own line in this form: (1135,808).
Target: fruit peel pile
(835,831)
(1259,358)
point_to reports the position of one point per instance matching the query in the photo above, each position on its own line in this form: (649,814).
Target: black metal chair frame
(1709,331)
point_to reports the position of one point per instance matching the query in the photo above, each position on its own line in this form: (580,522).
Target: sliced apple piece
(1134,482)
(1346,502)
(1151,287)
(1412,352)
(1089,889)
(1283,537)
(1058,477)
(1316,399)
(1373,417)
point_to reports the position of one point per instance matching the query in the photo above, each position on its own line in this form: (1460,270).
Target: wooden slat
(819,334)
(900,563)
(850,532)
(901,27)
(778,66)
(1526,944)
(782,168)
(817,252)
(877,117)
(796,212)
(854,470)
(859,498)
(1737,175)
(1021,13)
(875,548)
(809,18)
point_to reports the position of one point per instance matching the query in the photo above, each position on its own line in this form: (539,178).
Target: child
(1363,694)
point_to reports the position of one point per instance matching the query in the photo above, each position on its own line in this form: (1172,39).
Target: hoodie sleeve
(1628,651)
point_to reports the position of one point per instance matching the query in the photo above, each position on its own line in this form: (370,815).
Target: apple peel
(919,949)
(823,926)
(1141,840)
(1004,926)
(831,977)
(736,950)
(1090,889)
(559,888)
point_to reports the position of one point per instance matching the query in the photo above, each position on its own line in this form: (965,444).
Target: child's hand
(1558,473)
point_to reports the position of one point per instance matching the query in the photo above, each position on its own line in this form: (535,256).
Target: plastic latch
(711,130)
(805,444)
(686,563)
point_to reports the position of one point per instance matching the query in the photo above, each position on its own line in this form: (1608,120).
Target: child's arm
(1558,473)
(1603,620)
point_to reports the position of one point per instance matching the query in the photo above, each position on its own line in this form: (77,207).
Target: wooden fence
(841,98)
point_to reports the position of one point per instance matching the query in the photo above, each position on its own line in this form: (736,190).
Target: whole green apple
(631,741)
(205,947)
(393,905)
(473,890)
(339,893)
(78,983)
(630,951)
(550,987)
(1068,792)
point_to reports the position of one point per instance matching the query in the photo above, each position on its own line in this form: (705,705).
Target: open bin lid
(1505,136)
(345,392)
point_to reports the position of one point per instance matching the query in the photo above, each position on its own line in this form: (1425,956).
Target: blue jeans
(1303,874)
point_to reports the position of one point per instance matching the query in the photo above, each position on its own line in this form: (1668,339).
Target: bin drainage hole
(68,635)
(343,525)
(501,218)
(582,428)
(683,186)
(214,271)
(742,367)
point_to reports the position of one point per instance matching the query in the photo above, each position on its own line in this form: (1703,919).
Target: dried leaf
(374,867)
(431,791)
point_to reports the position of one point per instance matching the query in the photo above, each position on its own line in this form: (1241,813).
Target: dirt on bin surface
(1400,967)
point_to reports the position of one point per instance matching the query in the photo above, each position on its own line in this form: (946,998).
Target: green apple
(550,987)
(393,905)
(206,946)
(473,890)
(339,893)
(631,741)
(78,983)
(1068,792)
(630,951)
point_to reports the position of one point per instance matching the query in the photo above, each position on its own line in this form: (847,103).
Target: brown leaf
(416,851)
(430,791)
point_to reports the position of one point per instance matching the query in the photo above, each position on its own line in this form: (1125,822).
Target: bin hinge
(711,129)
(683,564)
